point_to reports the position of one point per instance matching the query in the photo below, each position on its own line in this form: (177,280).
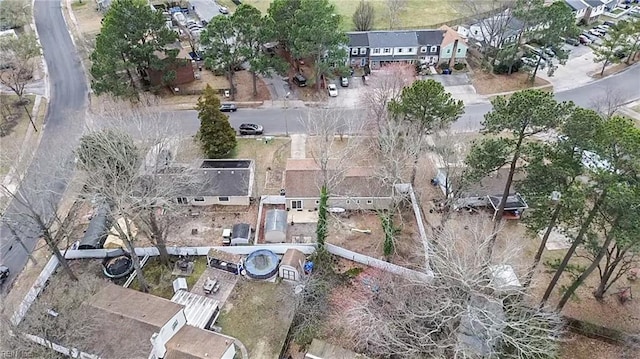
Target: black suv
(250,129)
(300,80)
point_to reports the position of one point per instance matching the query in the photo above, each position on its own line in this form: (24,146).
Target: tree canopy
(216,135)
(133,38)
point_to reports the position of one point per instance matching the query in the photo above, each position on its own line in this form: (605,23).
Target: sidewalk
(576,73)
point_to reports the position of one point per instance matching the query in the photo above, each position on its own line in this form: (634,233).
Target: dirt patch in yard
(613,69)
(203,226)
(488,84)
(408,246)
(259,314)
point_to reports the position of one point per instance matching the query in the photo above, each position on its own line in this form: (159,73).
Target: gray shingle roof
(430,37)
(575,4)
(392,39)
(358,39)
(593,3)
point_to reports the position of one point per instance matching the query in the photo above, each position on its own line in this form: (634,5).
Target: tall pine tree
(216,135)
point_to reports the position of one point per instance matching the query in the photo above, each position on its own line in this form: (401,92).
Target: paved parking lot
(348,97)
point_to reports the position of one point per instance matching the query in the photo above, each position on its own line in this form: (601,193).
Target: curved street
(64,123)
(65,119)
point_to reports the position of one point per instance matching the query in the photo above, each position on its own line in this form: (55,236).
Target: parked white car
(333,90)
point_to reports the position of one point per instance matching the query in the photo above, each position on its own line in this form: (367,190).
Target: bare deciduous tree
(20,56)
(60,316)
(463,312)
(610,103)
(33,209)
(395,8)
(135,172)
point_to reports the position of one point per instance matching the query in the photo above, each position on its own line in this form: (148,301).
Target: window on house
(223,199)
(387,50)
(182,200)
(410,50)
(448,51)
(348,202)
(317,202)
(363,51)
(354,51)
(434,48)
(376,51)
(423,49)
(357,201)
(199,199)
(369,201)
(399,51)
(297,204)
(459,50)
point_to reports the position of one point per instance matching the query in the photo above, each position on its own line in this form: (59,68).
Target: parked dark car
(250,129)
(620,54)
(300,80)
(610,23)
(228,107)
(4,273)
(572,41)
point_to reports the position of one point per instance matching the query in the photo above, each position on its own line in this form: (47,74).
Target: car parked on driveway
(572,41)
(344,82)
(228,107)
(333,90)
(250,129)
(300,80)
(584,40)
(4,273)
(223,10)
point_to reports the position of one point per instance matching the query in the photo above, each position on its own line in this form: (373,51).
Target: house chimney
(452,60)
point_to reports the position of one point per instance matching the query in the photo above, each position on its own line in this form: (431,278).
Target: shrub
(443,66)
(459,66)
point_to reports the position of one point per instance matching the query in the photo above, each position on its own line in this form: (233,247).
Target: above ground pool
(261,264)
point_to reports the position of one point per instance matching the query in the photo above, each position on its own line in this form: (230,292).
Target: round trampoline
(117,267)
(261,264)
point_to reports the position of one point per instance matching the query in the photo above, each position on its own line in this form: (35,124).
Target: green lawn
(418,13)
(259,315)
(160,279)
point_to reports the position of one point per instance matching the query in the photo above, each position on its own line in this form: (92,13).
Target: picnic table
(210,285)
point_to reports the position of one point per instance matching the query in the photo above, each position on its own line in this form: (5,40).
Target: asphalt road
(623,87)
(64,123)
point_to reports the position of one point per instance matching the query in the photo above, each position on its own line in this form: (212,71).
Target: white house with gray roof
(587,11)
(377,48)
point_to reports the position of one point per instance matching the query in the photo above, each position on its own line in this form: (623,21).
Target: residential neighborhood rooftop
(395,38)
(195,343)
(303,179)
(140,307)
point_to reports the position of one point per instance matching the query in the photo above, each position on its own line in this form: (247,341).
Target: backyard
(259,314)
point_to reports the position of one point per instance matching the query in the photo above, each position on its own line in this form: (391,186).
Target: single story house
(158,327)
(220,182)
(377,48)
(355,188)
(453,45)
(587,11)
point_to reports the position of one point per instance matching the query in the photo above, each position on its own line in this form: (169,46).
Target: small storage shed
(96,232)
(292,264)
(275,226)
(241,234)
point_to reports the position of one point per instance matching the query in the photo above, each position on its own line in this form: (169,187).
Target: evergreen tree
(216,135)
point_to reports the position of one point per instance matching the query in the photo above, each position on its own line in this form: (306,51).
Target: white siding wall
(166,333)
(209,201)
(230,353)
(352,203)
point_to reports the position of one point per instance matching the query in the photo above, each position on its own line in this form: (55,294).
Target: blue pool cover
(261,264)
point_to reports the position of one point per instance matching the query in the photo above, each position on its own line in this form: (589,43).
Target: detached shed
(292,264)
(241,234)
(275,226)
(96,232)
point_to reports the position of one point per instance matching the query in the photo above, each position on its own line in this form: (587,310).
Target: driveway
(576,72)
(459,79)
(459,86)
(348,97)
